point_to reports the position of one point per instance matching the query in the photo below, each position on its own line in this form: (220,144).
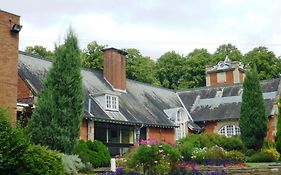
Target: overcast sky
(152,26)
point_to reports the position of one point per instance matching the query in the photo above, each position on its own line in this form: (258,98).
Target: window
(111,102)
(221,77)
(229,130)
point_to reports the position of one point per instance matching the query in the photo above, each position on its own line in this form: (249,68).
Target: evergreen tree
(57,118)
(278,134)
(253,121)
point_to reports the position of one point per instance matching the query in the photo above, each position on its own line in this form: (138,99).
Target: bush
(250,152)
(72,163)
(261,157)
(273,153)
(235,157)
(231,143)
(215,154)
(154,159)
(199,154)
(12,145)
(38,160)
(94,152)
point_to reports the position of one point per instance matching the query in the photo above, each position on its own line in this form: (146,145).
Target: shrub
(273,153)
(72,163)
(235,157)
(261,157)
(12,145)
(38,160)
(215,154)
(268,144)
(186,150)
(199,154)
(154,159)
(231,143)
(94,152)
(99,155)
(250,152)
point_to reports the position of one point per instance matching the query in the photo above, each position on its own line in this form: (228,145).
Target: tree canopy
(253,120)
(40,51)
(92,56)
(57,118)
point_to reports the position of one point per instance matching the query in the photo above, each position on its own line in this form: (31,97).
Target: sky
(152,26)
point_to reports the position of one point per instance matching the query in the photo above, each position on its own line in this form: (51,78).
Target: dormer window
(112,102)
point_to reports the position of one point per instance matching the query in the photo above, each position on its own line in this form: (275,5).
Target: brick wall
(115,68)
(8,62)
(83,130)
(23,90)
(162,134)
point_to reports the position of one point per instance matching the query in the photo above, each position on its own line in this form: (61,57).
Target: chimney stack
(114,70)
(9,41)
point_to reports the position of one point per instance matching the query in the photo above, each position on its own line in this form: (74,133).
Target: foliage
(12,145)
(194,69)
(99,156)
(72,163)
(268,66)
(215,154)
(226,50)
(39,160)
(268,144)
(261,157)
(92,56)
(273,153)
(140,68)
(57,118)
(253,121)
(40,51)
(199,154)
(94,152)
(278,134)
(250,152)
(169,69)
(154,159)
(235,157)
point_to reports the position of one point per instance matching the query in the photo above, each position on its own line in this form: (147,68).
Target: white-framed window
(111,102)
(229,130)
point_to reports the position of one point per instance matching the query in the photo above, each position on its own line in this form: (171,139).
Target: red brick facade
(23,90)
(8,61)
(162,134)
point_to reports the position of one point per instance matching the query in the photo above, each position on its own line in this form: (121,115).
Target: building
(120,112)
(216,108)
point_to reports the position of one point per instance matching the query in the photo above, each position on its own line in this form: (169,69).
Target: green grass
(260,164)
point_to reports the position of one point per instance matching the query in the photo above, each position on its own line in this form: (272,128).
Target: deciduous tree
(40,51)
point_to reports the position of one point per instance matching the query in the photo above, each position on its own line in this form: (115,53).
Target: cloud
(154,27)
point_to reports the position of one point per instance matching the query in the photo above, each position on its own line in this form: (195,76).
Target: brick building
(120,112)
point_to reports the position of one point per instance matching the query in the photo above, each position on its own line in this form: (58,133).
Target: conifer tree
(57,118)
(253,120)
(278,134)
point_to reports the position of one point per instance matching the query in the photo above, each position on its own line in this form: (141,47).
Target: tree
(40,51)
(139,67)
(169,69)
(57,118)
(194,69)
(92,56)
(268,66)
(278,134)
(12,145)
(253,120)
(226,49)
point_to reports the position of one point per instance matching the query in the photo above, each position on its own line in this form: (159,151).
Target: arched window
(229,130)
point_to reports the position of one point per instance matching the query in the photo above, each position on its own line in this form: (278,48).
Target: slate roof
(142,103)
(223,102)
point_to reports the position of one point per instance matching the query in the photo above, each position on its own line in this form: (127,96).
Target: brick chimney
(114,70)
(9,41)
(225,72)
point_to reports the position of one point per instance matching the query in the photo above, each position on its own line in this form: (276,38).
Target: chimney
(114,70)
(225,72)
(9,41)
